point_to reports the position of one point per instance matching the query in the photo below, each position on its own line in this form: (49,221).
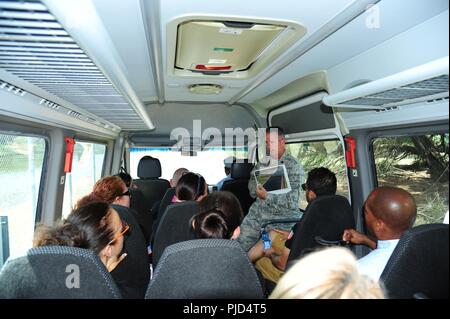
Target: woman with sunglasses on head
(220,217)
(191,186)
(133,275)
(94,226)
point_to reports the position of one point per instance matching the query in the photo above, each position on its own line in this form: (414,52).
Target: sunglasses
(127,193)
(125,228)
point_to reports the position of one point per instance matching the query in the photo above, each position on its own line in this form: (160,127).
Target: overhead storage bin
(232,48)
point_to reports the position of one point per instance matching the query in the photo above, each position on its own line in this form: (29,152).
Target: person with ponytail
(191,186)
(220,216)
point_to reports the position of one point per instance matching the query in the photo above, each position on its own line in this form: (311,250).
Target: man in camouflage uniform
(272,206)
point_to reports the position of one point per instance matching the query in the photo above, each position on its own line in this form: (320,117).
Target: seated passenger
(138,203)
(190,187)
(320,182)
(169,198)
(133,275)
(331,273)
(220,217)
(388,212)
(227,166)
(94,226)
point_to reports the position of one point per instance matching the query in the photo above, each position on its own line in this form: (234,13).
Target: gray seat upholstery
(174,227)
(149,182)
(240,174)
(326,217)
(419,264)
(205,269)
(51,272)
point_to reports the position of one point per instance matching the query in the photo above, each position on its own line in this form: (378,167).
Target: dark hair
(277,129)
(190,186)
(321,181)
(220,214)
(126,178)
(86,227)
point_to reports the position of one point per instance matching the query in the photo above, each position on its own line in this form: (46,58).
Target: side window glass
(418,164)
(87,168)
(329,154)
(21,163)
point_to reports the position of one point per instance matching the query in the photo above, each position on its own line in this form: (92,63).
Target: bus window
(87,168)
(208,163)
(328,154)
(419,164)
(21,163)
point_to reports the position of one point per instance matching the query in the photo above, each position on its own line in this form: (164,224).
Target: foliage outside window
(419,164)
(327,154)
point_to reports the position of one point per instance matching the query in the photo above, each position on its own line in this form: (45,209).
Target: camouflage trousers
(251,225)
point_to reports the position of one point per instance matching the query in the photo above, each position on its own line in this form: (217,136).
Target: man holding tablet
(276,187)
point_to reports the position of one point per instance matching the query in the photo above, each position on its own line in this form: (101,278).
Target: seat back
(205,269)
(57,272)
(153,187)
(133,273)
(139,204)
(419,264)
(174,227)
(326,217)
(163,204)
(240,174)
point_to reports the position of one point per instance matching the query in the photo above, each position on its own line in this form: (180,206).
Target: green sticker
(223,50)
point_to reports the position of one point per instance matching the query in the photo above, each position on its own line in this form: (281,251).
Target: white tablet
(274,179)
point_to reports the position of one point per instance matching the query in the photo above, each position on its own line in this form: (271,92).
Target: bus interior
(90,87)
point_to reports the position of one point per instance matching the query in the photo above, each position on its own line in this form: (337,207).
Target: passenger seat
(240,174)
(419,265)
(53,272)
(149,182)
(205,269)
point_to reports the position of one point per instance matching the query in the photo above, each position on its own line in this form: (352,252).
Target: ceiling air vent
(205,88)
(423,83)
(227,47)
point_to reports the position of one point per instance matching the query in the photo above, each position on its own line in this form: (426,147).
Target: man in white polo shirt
(389,212)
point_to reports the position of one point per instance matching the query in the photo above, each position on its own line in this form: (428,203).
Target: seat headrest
(205,268)
(149,167)
(419,264)
(52,272)
(241,170)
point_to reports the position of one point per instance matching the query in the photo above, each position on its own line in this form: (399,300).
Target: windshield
(209,163)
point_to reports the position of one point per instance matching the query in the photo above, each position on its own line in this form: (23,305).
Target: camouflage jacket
(281,204)
(275,206)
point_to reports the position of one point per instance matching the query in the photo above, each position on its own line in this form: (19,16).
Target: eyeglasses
(127,193)
(125,228)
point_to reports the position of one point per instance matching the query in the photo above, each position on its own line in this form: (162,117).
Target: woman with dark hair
(191,186)
(133,275)
(95,226)
(220,217)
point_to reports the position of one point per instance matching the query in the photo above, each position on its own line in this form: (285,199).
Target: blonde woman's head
(330,273)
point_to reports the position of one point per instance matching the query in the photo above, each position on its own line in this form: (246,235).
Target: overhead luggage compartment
(236,48)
